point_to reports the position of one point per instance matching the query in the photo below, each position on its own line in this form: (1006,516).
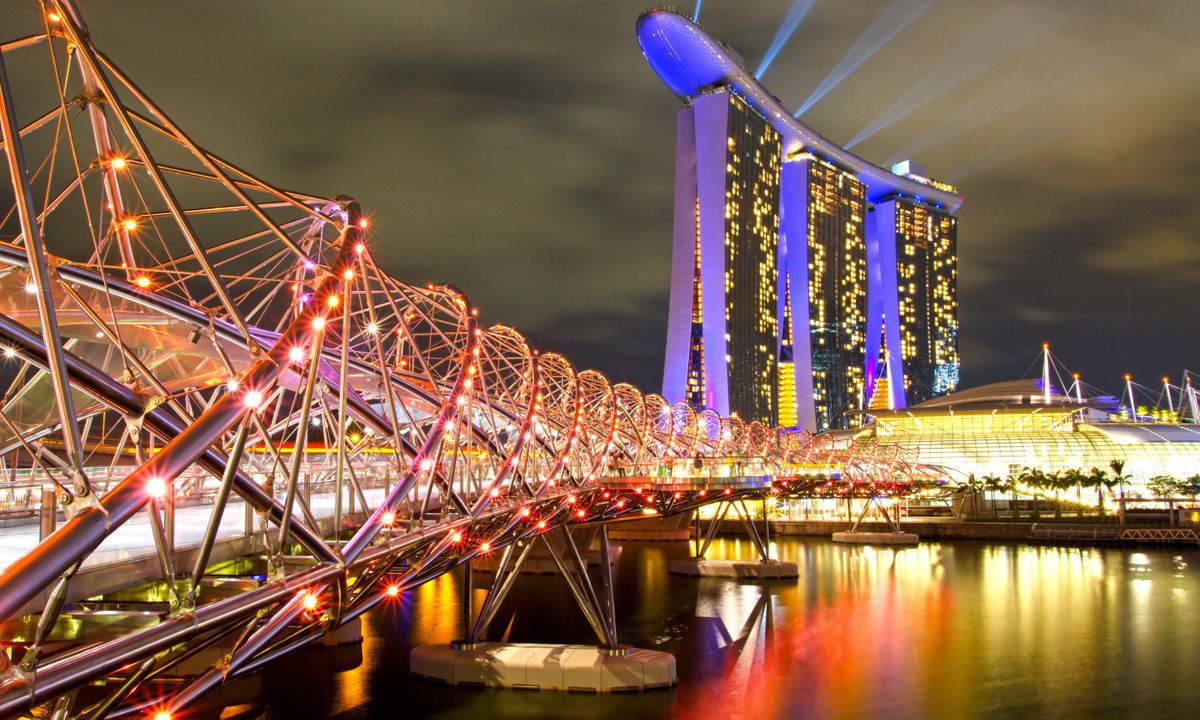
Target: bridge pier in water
(606,667)
(896,536)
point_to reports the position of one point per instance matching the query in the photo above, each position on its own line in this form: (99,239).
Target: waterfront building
(914,294)
(1001,429)
(804,279)
(726,248)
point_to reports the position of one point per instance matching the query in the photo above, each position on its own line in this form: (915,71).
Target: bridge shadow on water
(940,630)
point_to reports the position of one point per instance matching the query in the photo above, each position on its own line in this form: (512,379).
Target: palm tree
(1074,479)
(1035,479)
(1010,485)
(970,488)
(993,484)
(1118,467)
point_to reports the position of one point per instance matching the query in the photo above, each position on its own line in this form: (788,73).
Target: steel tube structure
(190,330)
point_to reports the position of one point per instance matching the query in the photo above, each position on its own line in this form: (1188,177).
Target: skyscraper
(806,282)
(824,271)
(722,335)
(917,307)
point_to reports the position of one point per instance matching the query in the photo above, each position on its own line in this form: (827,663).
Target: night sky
(523,151)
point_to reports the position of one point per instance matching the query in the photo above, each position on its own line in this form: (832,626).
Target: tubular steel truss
(173,326)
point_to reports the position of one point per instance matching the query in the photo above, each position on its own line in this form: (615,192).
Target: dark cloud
(523,151)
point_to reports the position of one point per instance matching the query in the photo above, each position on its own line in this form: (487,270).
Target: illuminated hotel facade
(805,282)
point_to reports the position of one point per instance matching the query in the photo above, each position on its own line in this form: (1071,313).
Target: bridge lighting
(252,399)
(495,492)
(373,329)
(426,464)
(162,714)
(117,163)
(363,223)
(360,248)
(318,323)
(580,513)
(296,354)
(30,287)
(130,224)
(525,512)
(142,281)
(541,524)
(388,519)
(10,353)
(456,537)
(620,503)
(231,384)
(309,601)
(54,17)
(393,590)
(570,499)
(309,265)
(348,274)
(156,488)
(333,301)
(485,546)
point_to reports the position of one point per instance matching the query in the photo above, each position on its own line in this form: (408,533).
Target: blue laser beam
(897,16)
(1007,32)
(696,13)
(792,21)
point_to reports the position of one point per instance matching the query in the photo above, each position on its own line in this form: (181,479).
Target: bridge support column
(762,569)
(895,537)
(609,667)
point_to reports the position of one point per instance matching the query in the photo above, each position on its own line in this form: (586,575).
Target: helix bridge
(178,334)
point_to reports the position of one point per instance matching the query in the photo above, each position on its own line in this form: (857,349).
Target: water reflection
(956,630)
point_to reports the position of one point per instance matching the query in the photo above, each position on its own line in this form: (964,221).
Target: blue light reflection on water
(960,630)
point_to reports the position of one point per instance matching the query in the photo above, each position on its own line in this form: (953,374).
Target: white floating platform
(544,667)
(876,538)
(747,569)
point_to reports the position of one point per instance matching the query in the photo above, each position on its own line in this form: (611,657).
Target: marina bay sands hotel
(806,282)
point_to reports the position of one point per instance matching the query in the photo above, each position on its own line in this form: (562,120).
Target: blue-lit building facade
(807,284)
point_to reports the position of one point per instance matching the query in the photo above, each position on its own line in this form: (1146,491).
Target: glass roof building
(1001,429)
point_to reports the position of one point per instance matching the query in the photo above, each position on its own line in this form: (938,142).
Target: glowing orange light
(362,223)
(334,300)
(118,163)
(485,546)
(359,248)
(296,354)
(309,602)
(156,487)
(456,537)
(495,492)
(541,524)
(54,18)
(318,323)
(620,503)
(393,590)
(388,518)
(348,275)
(252,399)
(581,513)
(570,499)
(161,715)
(142,281)
(524,512)
(129,224)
